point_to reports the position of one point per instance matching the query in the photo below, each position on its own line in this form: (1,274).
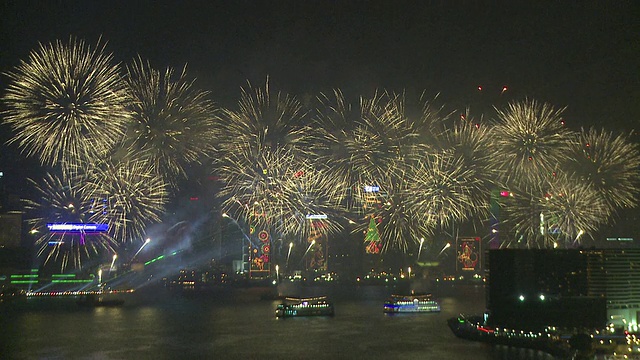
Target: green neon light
(24,282)
(63,275)
(154,260)
(71,281)
(34,270)
(23,276)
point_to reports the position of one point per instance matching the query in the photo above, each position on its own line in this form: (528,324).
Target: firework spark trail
(611,164)
(67,103)
(65,201)
(135,196)
(174,124)
(531,140)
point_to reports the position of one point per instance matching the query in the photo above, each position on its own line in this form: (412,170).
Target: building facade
(577,288)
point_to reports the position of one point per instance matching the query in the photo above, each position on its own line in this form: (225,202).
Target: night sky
(582,55)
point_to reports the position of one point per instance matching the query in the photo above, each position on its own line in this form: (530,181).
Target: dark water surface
(239,325)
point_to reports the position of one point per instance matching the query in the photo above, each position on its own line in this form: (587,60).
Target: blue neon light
(79,228)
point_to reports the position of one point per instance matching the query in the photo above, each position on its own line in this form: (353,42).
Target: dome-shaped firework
(66,201)
(610,164)
(530,140)
(272,188)
(134,195)
(67,102)
(173,124)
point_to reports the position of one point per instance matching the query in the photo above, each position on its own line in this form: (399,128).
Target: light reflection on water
(241,326)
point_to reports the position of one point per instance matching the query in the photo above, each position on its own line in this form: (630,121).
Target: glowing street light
(277,273)
(409,271)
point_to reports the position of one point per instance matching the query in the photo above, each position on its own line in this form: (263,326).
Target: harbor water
(240,324)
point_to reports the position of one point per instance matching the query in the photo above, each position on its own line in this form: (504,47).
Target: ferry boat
(315,306)
(411,304)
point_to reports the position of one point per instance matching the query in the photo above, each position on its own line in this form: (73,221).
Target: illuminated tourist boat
(411,304)
(293,306)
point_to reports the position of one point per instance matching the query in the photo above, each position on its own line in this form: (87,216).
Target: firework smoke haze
(59,200)
(174,124)
(531,140)
(66,102)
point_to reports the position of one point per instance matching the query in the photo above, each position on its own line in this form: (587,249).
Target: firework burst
(265,121)
(173,124)
(610,164)
(67,103)
(365,147)
(574,210)
(65,201)
(273,189)
(135,196)
(443,189)
(474,146)
(531,140)
(559,211)
(400,224)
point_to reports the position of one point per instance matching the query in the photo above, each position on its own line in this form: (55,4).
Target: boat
(295,306)
(474,328)
(98,300)
(411,304)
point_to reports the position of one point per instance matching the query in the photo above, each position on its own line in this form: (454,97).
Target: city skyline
(508,95)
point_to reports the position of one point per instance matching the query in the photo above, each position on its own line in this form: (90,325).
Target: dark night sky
(583,55)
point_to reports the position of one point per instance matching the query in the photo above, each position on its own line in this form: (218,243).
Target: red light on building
(505,193)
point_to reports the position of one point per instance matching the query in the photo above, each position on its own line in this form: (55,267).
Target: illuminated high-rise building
(589,288)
